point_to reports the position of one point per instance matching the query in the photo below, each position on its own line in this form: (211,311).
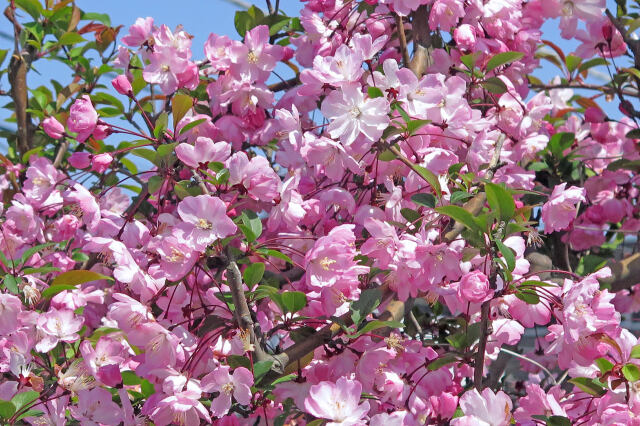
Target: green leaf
(428,200)
(276,254)
(635,352)
(528,296)
(459,196)
(161,124)
(500,200)
(503,59)
(192,124)
(445,359)
(260,369)
(77,277)
(374,325)
(604,365)
(374,92)
(495,85)
(100,17)
(631,372)
(49,292)
(633,134)
(251,220)
(368,301)
(148,154)
(508,255)
(590,386)
(129,378)
(166,149)
(180,105)
(236,361)
(410,214)
(460,215)
(430,177)
(11,283)
(70,38)
(558,421)
(414,125)
(253,274)
(24,398)
(293,301)
(469,60)
(386,155)
(572,62)
(7,409)
(559,142)
(283,379)
(30,413)
(592,63)
(32,7)
(154,184)
(33,250)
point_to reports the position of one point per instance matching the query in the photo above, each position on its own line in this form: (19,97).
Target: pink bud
(474,287)
(80,160)
(607,32)
(53,127)
(287,53)
(465,36)
(101,162)
(122,85)
(594,115)
(101,132)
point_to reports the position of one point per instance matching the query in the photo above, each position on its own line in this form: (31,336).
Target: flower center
(176,256)
(227,388)
(204,224)
(252,57)
(355,112)
(326,263)
(567,8)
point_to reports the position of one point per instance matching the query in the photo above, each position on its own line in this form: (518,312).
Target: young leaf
(503,59)
(428,200)
(460,215)
(253,274)
(500,200)
(590,386)
(368,301)
(77,277)
(293,301)
(631,372)
(11,283)
(374,92)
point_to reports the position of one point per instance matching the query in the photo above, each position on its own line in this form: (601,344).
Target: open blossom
(83,118)
(351,114)
(10,308)
(255,175)
(203,152)
(331,261)
(255,56)
(338,402)
(236,386)
(486,408)
(560,210)
(208,218)
(55,326)
(95,406)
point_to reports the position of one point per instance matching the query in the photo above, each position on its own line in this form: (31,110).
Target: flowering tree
(408,228)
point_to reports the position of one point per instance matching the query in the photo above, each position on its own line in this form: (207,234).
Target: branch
(422,41)
(634,45)
(474,205)
(478,367)
(402,37)
(624,273)
(284,85)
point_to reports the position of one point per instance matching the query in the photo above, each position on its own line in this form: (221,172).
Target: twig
(474,205)
(200,182)
(478,368)
(422,41)
(534,362)
(402,37)
(60,154)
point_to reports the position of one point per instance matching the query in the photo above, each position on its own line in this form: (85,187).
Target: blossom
(351,114)
(486,408)
(95,406)
(255,175)
(236,386)
(55,326)
(122,85)
(208,217)
(203,152)
(474,287)
(560,210)
(83,118)
(338,402)
(53,127)
(255,56)
(10,308)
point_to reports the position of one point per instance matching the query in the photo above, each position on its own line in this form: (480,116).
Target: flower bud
(607,32)
(474,287)
(80,160)
(101,162)
(53,127)
(122,85)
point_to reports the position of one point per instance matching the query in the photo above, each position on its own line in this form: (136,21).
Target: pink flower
(53,127)
(177,257)
(255,175)
(216,49)
(87,203)
(237,386)
(55,326)
(474,287)
(203,152)
(80,160)
(560,210)
(122,85)
(487,408)
(101,162)
(10,308)
(351,114)
(339,402)
(255,56)
(182,406)
(139,33)
(96,406)
(83,118)
(445,14)
(208,217)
